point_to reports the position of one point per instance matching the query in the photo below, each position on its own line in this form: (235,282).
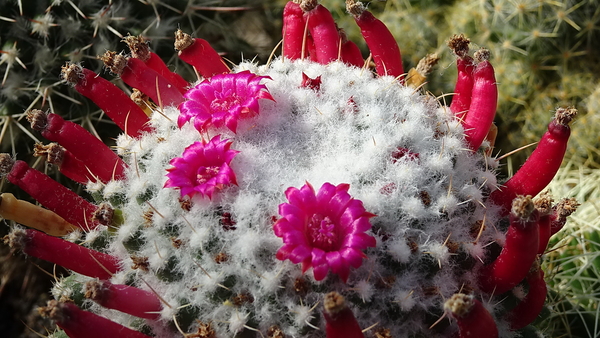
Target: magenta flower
(222,100)
(324,230)
(203,168)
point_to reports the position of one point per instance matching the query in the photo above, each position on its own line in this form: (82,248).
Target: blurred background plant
(546,54)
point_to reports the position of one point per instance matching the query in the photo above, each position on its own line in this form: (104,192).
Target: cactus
(274,188)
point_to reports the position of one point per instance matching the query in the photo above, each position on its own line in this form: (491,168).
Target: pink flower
(222,100)
(324,230)
(203,168)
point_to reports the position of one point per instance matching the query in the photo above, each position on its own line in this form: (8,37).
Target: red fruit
(473,320)
(340,321)
(112,100)
(351,54)
(124,298)
(533,303)
(484,100)
(464,80)
(78,323)
(293,31)
(139,48)
(66,162)
(381,42)
(519,251)
(323,30)
(200,54)
(51,194)
(541,166)
(101,161)
(69,255)
(137,74)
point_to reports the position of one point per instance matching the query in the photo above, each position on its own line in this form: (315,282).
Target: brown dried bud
(104,214)
(523,207)
(38,119)
(53,152)
(138,45)
(6,164)
(114,62)
(459,45)
(182,40)
(564,116)
(71,73)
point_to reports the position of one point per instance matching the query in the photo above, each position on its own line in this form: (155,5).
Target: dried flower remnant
(341,322)
(203,168)
(223,100)
(323,231)
(472,317)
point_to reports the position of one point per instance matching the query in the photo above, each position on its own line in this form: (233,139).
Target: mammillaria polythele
(225,198)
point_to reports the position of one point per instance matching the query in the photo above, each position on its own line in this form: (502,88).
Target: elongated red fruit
(138,45)
(519,251)
(461,100)
(78,323)
(381,42)
(112,100)
(136,74)
(541,166)
(533,303)
(323,30)
(69,255)
(560,212)
(293,30)
(350,53)
(340,321)
(484,101)
(200,54)
(51,194)
(66,162)
(473,320)
(124,298)
(97,156)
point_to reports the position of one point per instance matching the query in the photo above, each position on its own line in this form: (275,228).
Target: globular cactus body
(260,191)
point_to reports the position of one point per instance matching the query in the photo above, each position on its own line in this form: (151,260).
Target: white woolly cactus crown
(245,204)
(345,132)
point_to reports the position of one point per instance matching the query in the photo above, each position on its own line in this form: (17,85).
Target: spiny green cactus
(37,37)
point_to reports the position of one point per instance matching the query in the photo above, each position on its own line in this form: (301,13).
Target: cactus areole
(309,197)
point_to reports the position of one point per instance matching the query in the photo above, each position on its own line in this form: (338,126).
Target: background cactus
(418,13)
